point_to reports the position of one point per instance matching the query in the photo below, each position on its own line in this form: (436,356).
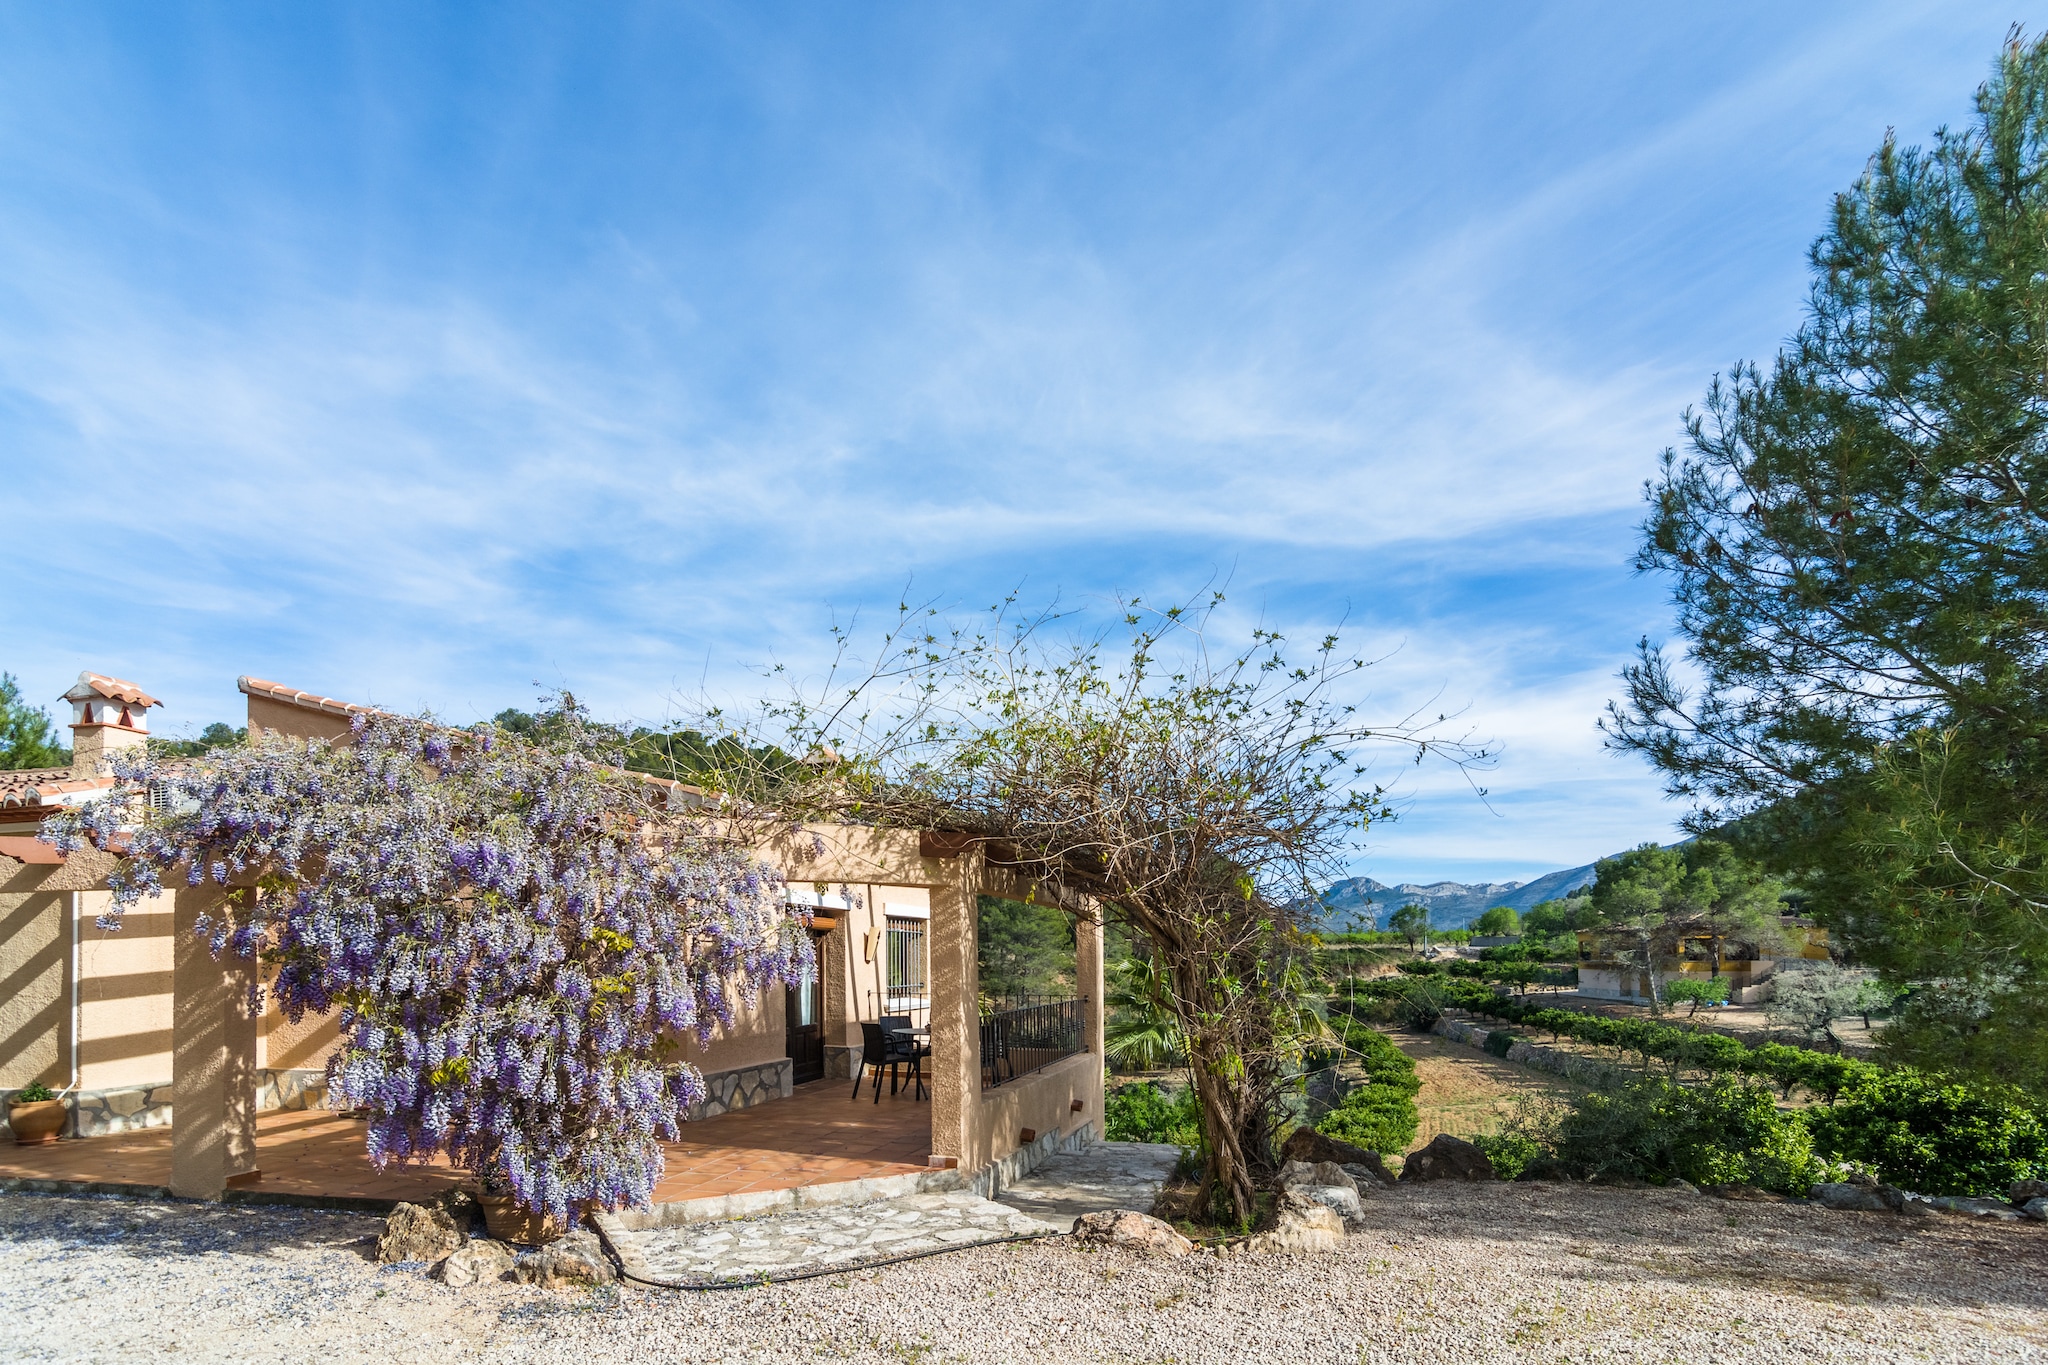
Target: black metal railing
(1022,1034)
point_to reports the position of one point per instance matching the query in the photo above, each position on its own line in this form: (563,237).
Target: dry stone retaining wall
(1571,1065)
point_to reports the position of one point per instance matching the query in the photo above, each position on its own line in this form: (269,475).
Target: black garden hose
(761,1281)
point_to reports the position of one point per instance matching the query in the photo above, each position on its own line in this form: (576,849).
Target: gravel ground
(1442,1273)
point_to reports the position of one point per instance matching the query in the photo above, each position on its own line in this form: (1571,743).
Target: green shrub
(1922,1135)
(1511,1153)
(1379,1115)
(1499,1042)
(1722,1132)
(1142,1112)
(1373,1117)
(33,1092)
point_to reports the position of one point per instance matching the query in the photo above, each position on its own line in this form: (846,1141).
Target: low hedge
(1918,1131)
(1379,1115)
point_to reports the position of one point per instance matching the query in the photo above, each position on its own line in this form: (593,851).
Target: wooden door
(806,1033)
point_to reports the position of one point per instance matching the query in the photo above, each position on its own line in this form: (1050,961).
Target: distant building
(1609,969)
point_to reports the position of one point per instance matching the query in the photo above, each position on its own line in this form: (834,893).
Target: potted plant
(507,1218)
(35,1114)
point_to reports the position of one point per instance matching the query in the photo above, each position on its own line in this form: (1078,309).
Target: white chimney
(106,714)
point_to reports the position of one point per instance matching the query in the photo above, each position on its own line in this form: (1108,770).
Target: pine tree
(28,738)
(1855,537)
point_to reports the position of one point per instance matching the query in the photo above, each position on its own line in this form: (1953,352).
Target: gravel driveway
(1443,1273)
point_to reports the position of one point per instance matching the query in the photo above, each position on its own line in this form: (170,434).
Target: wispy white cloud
(1133,331)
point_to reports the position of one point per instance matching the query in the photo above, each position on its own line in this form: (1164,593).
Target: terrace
(814,1137)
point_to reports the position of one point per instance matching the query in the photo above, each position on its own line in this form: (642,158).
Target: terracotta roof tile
(292,696)
(26,848)
(92,684)
(41,786)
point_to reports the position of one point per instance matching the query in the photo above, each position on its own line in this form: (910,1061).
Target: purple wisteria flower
(516,937)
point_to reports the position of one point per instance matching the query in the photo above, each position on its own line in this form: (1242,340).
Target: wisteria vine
(516,938)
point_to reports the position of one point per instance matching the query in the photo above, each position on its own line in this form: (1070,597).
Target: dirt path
(1466,1092)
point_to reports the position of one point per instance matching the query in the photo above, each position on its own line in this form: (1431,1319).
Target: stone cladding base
(130,1108)
(743,1087)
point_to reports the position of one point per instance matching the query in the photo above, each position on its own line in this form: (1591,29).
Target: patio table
(916,1035)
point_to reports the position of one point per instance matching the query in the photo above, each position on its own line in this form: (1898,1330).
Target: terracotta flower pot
(510,1221)
(35,1122)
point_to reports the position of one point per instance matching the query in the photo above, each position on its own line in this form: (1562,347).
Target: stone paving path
(1106,1175)
(1103,1175)
(847,1235)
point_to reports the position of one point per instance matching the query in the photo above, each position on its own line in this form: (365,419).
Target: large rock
(1339,1200)
(1306,1144)
(566,1263)
(1447,1158)
(1975,1208)
(463,1207)
(1129,1228)
(2025,1192)
(1315,1173)
(419,1232)
(1327,1184)
(1366,1177)
(2036,1209)
(482,1261)
(1851,1198)
(1302,1224)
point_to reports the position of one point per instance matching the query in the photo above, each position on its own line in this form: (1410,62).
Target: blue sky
(422,354)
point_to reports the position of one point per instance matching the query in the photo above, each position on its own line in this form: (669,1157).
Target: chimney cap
(99,687)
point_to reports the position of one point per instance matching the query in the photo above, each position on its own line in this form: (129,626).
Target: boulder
(1853,1198)
(2036,1209)
(2024,1192)
(1341,1200)
(463,1207)
(1974,1208)
(419,1232)
(1447,1158)
(567,1263)
(483,1260)
(1366,1177)
(1316,1173)
(1327,1184)
(1306,1144)
(1302,1224)
(1129,1228)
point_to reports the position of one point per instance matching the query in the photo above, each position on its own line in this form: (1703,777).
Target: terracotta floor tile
(816,1135)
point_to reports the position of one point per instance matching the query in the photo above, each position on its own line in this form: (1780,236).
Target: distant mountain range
(1362,903)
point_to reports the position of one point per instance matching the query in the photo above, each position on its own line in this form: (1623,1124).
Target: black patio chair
(880,1048)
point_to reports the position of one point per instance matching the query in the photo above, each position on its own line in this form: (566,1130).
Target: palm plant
(1140,1033)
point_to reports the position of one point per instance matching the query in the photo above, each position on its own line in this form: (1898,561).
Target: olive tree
(1204,795)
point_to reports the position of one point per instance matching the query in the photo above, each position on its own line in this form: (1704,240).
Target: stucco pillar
(1088,978)
(213,1058)
(955,985)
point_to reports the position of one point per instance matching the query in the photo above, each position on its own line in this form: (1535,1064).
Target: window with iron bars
(907,974)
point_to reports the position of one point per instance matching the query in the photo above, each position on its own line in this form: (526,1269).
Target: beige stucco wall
(282,1045)
(125,994)
(123,987)
(277,718)
(35,956)
(755,1037)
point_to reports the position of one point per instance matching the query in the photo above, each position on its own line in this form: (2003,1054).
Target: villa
(142,1029)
